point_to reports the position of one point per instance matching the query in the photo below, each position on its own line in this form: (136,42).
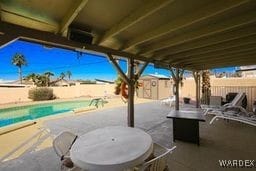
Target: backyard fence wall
(222,86)
(219,87)
(250,92)
(15,95)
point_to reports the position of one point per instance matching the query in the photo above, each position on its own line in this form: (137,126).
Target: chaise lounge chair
(235,106)
(241,116)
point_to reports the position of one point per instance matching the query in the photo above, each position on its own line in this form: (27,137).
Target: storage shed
(154,86)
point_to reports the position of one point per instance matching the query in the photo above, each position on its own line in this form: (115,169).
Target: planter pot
(186,100)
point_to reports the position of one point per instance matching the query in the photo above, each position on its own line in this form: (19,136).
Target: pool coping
(16,126)
(13,127)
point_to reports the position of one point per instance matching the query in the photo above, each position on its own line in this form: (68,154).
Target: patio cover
(190,34)
(187,34)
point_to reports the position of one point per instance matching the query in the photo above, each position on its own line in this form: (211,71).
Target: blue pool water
(13,115)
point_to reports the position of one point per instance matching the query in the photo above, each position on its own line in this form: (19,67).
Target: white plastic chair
(62,145)
(169,101)
(159,162)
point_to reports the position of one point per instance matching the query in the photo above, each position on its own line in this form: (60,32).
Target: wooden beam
(131,91)
(241,59)
(0,13)
(177,85)
(218,53)
(19,15)
(118,68)
(226,61)
(223,57)
(196,75)
(187,20)
(241,32)
(172,73)
(142,69)
(71,14)
(204,32)
(223,65)
(237,43)
(5,40)
(42,37)
(147,9)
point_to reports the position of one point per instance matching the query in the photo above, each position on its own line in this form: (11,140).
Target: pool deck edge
(10,128)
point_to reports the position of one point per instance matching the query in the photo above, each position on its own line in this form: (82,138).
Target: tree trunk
(20,74)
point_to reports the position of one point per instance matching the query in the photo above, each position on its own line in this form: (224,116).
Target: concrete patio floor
(220,141)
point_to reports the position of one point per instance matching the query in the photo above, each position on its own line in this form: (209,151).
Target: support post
(177,78)
(199,88)
(177,96)
(131,91)
(130,79)
(196,75)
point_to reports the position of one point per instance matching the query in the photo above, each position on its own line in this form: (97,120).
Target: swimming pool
(13,115)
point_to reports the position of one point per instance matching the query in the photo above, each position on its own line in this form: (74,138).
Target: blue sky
(85,66)
(40,60)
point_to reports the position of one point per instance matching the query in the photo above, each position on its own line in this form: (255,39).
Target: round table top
(111,148)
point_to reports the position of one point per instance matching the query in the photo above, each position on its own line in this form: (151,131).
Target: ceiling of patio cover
(189,34)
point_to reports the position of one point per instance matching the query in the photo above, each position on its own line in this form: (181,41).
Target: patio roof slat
(187,20)
(216,54)
(203,32)
(216,47)
(71,14)
(239,61)
(180,41)
(136,16)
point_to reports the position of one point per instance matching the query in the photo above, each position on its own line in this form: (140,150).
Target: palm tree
(19,60)
(62,75)
(68,74)
(42,81)
(31,77)
(48,77)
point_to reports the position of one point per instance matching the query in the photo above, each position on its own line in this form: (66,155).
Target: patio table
(186,124)
(112,148)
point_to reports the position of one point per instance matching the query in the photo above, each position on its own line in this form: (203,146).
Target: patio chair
(169,101)
(234,106)
(62,145)
(159,161)
(241,116)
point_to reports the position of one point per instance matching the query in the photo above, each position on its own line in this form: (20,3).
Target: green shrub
(41,93)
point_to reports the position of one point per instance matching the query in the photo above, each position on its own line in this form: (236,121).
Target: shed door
(147,89)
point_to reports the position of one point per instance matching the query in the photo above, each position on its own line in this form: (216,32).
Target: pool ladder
(96,102)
